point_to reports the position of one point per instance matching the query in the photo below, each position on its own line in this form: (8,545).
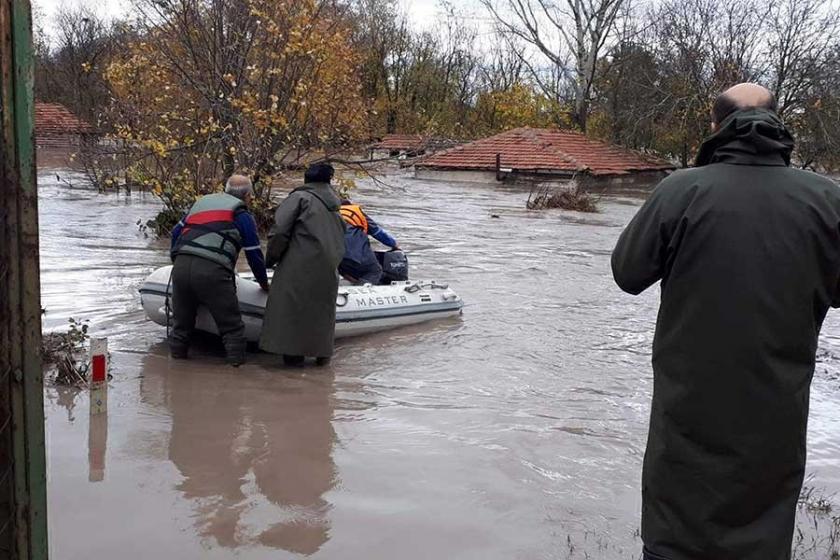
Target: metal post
(23,503)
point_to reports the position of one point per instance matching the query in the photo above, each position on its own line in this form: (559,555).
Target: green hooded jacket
(747,250)
(305,246)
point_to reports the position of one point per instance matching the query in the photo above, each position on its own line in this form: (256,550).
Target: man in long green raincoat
(748,253)
(305,246)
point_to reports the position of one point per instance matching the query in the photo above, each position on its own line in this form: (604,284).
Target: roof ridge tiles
(536,149)
(561,152)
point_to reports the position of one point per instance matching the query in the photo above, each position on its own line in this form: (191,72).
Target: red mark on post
(98,364)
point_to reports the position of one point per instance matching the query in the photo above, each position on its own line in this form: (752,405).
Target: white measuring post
(97,446)
(98,376)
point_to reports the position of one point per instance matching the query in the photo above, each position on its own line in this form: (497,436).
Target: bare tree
(702,46)
(816,120)
(416,82)
(460,64)
(503,67)
(384,39)
(801,36)
(70,70)
(571,35)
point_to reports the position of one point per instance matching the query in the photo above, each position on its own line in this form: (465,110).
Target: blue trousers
(369,272)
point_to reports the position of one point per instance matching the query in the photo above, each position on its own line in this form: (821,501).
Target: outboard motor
(394,266)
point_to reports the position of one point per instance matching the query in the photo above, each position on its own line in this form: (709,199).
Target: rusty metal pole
(23,502)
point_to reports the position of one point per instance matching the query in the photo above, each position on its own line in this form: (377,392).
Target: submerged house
(543,155)
(408,145)
(399,145)
(57,127)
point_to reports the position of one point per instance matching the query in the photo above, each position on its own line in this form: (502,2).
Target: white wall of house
(637,181)
(455,175)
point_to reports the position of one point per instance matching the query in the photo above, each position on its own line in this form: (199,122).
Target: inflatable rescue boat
(359,309)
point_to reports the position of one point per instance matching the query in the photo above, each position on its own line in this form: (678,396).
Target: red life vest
(210,232)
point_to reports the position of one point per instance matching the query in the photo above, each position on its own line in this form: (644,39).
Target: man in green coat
(748,253)
(305,246)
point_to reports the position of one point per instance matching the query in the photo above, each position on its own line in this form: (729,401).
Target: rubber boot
(648,555)
(293,361)
(235,352)
(178,351)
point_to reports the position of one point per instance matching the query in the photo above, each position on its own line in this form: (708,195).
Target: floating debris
(573,198)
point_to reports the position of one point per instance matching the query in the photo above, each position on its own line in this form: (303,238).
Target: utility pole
(23,487)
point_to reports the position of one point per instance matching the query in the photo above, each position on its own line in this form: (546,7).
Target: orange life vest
(353,215)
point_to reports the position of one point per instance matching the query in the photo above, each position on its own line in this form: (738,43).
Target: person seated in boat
(360,264)
(205,248)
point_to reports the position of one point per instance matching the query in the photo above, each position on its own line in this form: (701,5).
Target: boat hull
(359,309)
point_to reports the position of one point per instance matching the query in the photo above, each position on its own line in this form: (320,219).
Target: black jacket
(748,252)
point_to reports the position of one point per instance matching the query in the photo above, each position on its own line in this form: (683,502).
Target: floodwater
(514,432)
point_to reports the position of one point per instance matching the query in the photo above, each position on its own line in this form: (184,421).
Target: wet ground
(514,432)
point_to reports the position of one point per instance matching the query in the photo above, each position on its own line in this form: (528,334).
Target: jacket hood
(325,192)
(748,137)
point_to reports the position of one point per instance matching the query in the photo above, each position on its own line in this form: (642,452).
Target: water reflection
(254,447)
(517,432)
(66,398)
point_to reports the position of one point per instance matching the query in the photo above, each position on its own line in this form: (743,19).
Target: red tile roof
(538,150)
(410,142)
(53,118)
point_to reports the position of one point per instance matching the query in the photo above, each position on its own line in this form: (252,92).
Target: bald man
(747,250)
(205,249)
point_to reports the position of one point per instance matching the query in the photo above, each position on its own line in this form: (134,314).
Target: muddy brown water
(514,432)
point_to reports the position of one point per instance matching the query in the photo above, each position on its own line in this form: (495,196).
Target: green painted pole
(20,319)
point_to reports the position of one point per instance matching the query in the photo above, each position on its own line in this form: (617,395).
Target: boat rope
(417,286)
(342,299)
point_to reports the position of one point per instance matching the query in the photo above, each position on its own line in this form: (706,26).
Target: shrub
(572,198)
(64,351)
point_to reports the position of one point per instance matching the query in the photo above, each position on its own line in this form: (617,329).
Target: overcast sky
(422,12)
